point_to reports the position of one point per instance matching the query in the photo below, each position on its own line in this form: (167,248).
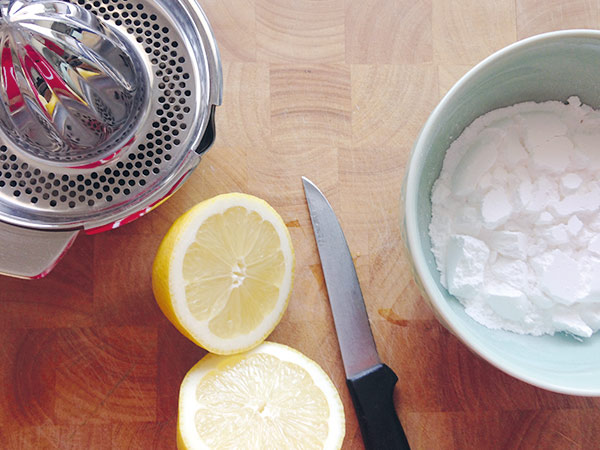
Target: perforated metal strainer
(105,109)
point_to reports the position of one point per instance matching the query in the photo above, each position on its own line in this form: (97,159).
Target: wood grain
(555,15)
(467,31)
(336,90)
(389,32)
(288,31)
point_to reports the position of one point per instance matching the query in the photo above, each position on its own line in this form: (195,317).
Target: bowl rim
(412,230)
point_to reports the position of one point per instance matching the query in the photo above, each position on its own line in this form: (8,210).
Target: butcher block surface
(335,90)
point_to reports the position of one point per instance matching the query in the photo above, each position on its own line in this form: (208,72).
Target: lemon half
(272,397)
(223,273)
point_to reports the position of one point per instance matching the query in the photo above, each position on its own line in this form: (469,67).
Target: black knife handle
(372,393)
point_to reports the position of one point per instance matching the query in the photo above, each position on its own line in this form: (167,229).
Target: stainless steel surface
(31,253)
(173,44)
(349,313)
(72,91)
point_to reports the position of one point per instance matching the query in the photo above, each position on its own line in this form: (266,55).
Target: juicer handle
(208,138)
(31,254)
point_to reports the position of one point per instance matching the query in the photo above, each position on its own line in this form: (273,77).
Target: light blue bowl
(551,66)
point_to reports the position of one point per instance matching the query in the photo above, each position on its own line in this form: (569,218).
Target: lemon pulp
(223,273)
(233,272)
(270,397)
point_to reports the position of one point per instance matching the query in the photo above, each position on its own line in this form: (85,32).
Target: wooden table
(335,90)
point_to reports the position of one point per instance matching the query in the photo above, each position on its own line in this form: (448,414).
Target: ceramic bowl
(551,66)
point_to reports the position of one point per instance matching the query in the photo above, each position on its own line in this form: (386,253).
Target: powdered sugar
(516,218)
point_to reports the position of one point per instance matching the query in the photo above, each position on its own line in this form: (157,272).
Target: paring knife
(370,382)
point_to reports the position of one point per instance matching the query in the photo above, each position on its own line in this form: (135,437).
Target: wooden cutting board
(335,90)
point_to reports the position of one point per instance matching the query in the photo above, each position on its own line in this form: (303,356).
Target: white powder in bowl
(515,226)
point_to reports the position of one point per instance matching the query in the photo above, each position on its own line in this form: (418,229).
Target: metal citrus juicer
(106,107)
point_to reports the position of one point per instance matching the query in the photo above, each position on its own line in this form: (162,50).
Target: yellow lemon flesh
(223,273)
(272,397)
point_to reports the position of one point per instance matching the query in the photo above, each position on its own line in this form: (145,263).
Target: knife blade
(370,382)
